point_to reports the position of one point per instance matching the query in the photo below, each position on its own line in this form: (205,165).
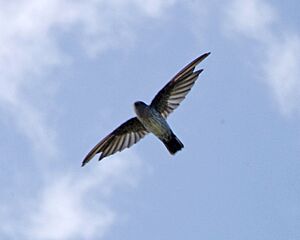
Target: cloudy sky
(70,72)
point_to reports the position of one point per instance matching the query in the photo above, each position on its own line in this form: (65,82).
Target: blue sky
(70,72)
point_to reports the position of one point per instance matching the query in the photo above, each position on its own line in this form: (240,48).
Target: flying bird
(151,118)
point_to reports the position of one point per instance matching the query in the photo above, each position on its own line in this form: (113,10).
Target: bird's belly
(157,127)
(156,124)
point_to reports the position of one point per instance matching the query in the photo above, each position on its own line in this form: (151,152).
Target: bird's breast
(154,122)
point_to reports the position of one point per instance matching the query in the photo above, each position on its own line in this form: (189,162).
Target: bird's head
(139,106)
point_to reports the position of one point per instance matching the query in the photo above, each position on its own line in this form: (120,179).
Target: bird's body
(155,123)
(151,118)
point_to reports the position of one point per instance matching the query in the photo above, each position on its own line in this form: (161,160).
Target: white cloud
(29,48)
(69,205)
(252,18)
(256,20)
(282,73)
(62,214)
(72,205)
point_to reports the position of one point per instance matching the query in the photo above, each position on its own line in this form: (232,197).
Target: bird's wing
(122,137)
(170,96)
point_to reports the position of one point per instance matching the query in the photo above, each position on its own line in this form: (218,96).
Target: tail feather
(173,144)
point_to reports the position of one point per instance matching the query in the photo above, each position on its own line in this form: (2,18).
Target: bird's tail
(173,144)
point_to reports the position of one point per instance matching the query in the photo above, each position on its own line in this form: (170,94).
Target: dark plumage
(173,144)
(151,118)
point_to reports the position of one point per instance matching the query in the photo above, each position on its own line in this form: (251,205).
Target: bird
(152,118)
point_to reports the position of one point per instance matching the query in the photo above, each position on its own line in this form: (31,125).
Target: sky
(70,73)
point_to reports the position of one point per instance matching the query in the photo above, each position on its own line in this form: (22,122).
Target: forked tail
(173,144)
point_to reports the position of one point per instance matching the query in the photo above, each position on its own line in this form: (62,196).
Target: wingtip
(84,162)
(199,71)
(201,58)
(101,157)
(87,159)
(206,55)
